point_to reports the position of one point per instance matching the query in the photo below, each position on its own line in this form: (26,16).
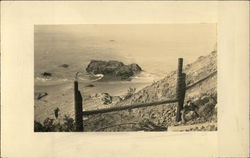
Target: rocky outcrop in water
(46,74)
(113,70)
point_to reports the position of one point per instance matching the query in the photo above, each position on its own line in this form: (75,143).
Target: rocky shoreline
(158,118)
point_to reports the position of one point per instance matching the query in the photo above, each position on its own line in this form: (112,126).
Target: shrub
(130,92)
(38,127)
(50,125)
(69,124)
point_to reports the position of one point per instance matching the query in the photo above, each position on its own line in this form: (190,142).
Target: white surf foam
(146,77)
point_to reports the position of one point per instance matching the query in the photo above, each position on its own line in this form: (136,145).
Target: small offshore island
(113,70)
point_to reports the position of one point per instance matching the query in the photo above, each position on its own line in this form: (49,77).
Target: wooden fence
(180,96)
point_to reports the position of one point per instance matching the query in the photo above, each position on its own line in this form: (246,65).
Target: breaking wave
(147,77)
(91,77)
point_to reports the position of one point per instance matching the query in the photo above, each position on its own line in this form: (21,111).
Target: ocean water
(156,48)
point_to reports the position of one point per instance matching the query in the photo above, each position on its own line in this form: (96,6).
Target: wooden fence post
(183,90)
(180,89)
(78,108)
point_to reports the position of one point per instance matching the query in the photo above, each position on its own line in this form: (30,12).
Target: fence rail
(201,80)
(180,96)
(127,107)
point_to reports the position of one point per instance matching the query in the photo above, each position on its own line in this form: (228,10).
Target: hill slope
(201,81)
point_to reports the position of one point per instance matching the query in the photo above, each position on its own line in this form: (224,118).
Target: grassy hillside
(203,94)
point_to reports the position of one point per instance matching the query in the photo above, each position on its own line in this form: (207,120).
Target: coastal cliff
(201,83)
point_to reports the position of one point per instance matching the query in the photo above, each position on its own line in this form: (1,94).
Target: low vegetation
(130,93)
(55,125)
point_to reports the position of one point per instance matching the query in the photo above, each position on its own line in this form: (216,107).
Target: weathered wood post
(183,89)
(180,89)
(78,108)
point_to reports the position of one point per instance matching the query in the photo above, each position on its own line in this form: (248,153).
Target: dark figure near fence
(187,108)
(56,112)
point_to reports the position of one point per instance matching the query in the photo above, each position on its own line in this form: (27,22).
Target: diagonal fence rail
(180,91)
(201,80)
(127,107)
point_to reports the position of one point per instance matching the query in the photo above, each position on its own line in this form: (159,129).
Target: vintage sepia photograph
(125,77)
